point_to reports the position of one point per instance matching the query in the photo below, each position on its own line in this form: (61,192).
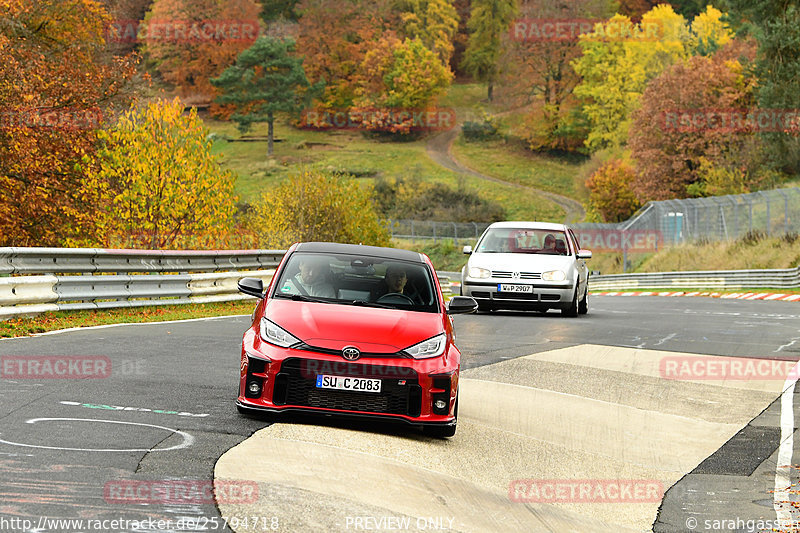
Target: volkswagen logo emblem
(351,353)
(515,275)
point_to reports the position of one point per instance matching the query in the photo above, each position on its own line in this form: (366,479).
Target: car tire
(443,431)
(484,307)
(572,310)
(583,305)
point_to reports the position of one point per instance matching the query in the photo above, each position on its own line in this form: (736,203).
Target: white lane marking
(188,440)
(104,326)
(780,348)
(665,339)
(783,469)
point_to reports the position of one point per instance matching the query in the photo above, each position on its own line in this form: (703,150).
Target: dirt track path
(439,149)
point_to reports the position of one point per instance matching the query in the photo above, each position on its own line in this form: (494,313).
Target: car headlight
(432,347)
(554,275)
(274,334)
(478,272)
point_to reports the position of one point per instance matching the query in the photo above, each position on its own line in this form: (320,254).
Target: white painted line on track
(783,470)
(104,326)
(188,440)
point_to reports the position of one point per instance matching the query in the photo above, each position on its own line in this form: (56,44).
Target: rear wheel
(572,310)
(583,305)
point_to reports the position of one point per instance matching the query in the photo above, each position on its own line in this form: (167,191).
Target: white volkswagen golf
(527,265)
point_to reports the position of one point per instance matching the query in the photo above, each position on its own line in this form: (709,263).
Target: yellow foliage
(167,189)
(709,30)
(317,206)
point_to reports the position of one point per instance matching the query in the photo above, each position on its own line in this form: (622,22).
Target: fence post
(412,232)
(455,234)
(785,210)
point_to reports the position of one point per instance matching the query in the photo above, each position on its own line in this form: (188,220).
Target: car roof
(360,249)
(529,225)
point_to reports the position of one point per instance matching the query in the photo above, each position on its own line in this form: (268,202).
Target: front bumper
(410,388)
(544,296)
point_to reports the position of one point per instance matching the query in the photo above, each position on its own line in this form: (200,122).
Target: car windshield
(524,241)
(357,280)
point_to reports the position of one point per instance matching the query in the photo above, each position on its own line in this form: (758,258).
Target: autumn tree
(685,118)
(166,188)
(265,80)
(709,32)
(618,60)
(334,37)
(55,87)
(402,74)
(488,24)
(191,41)
(434,22)
(318,206)
(536,70)
(610,191)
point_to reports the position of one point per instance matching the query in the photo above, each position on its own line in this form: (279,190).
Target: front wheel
(583,305)
(572,310)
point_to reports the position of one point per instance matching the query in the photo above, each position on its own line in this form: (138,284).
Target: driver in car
(311,280)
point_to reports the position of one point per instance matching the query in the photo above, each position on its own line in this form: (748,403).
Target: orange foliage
(192,41)
(53,82)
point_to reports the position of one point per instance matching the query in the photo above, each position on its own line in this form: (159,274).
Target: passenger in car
(394,282)
(311,280)
(561,247)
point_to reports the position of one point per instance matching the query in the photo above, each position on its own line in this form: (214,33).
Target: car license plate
(346,383)
(505,287)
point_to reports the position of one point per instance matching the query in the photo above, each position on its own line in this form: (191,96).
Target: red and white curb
(735,295)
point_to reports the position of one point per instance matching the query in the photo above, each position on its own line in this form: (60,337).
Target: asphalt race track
(640,405)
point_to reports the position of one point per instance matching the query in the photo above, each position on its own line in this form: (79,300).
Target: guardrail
(788,278)
(58,279)
(96,260)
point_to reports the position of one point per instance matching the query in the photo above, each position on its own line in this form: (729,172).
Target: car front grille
(502,274)
(295,384)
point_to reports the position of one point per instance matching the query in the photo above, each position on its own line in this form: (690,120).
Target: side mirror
(251,287)
(584,254)
(462,304)
(467,250)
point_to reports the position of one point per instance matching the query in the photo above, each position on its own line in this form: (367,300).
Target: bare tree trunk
(271,123)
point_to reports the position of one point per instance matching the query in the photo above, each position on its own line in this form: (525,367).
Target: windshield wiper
(302,298)
(363,303)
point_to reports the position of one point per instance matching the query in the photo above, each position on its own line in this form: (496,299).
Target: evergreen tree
(265,79)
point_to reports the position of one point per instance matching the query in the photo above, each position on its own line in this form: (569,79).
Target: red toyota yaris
(353,330)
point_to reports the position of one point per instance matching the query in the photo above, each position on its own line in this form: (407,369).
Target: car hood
(370,329)
(521,262)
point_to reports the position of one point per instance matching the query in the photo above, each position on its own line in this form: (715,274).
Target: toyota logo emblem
(351,353)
